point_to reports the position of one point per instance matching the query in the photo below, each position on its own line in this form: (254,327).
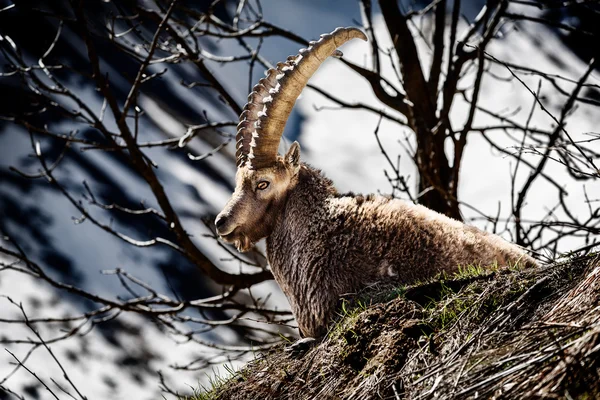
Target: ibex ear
(292,157)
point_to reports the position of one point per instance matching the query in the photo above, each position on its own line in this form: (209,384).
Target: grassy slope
(501,333)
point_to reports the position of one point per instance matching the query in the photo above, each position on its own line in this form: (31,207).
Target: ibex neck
(305,202)
(312,188)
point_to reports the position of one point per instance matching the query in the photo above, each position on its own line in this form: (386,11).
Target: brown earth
(507,334)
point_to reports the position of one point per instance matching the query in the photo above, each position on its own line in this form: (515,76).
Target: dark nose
(220,221)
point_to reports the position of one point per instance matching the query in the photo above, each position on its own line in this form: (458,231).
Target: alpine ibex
(321,244)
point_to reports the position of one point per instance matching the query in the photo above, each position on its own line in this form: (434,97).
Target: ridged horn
(272,99)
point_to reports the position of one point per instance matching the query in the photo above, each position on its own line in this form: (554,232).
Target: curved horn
(272,99)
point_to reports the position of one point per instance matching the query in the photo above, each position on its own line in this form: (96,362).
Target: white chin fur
(243,244)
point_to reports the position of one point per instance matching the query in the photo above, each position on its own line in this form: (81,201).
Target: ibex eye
(262,185)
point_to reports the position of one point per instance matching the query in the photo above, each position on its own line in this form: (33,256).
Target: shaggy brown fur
(322,245)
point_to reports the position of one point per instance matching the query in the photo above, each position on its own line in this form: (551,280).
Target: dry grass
(509,333)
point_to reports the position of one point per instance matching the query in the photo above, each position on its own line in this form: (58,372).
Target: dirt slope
(481,334)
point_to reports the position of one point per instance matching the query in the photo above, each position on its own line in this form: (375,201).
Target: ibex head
(264,178)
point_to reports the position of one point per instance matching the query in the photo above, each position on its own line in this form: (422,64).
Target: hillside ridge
(487,333)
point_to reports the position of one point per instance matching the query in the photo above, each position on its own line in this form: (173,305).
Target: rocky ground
(499,333)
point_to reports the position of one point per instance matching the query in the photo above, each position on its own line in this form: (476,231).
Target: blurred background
(117,142)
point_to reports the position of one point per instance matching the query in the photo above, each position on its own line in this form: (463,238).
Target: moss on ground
(484,332)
